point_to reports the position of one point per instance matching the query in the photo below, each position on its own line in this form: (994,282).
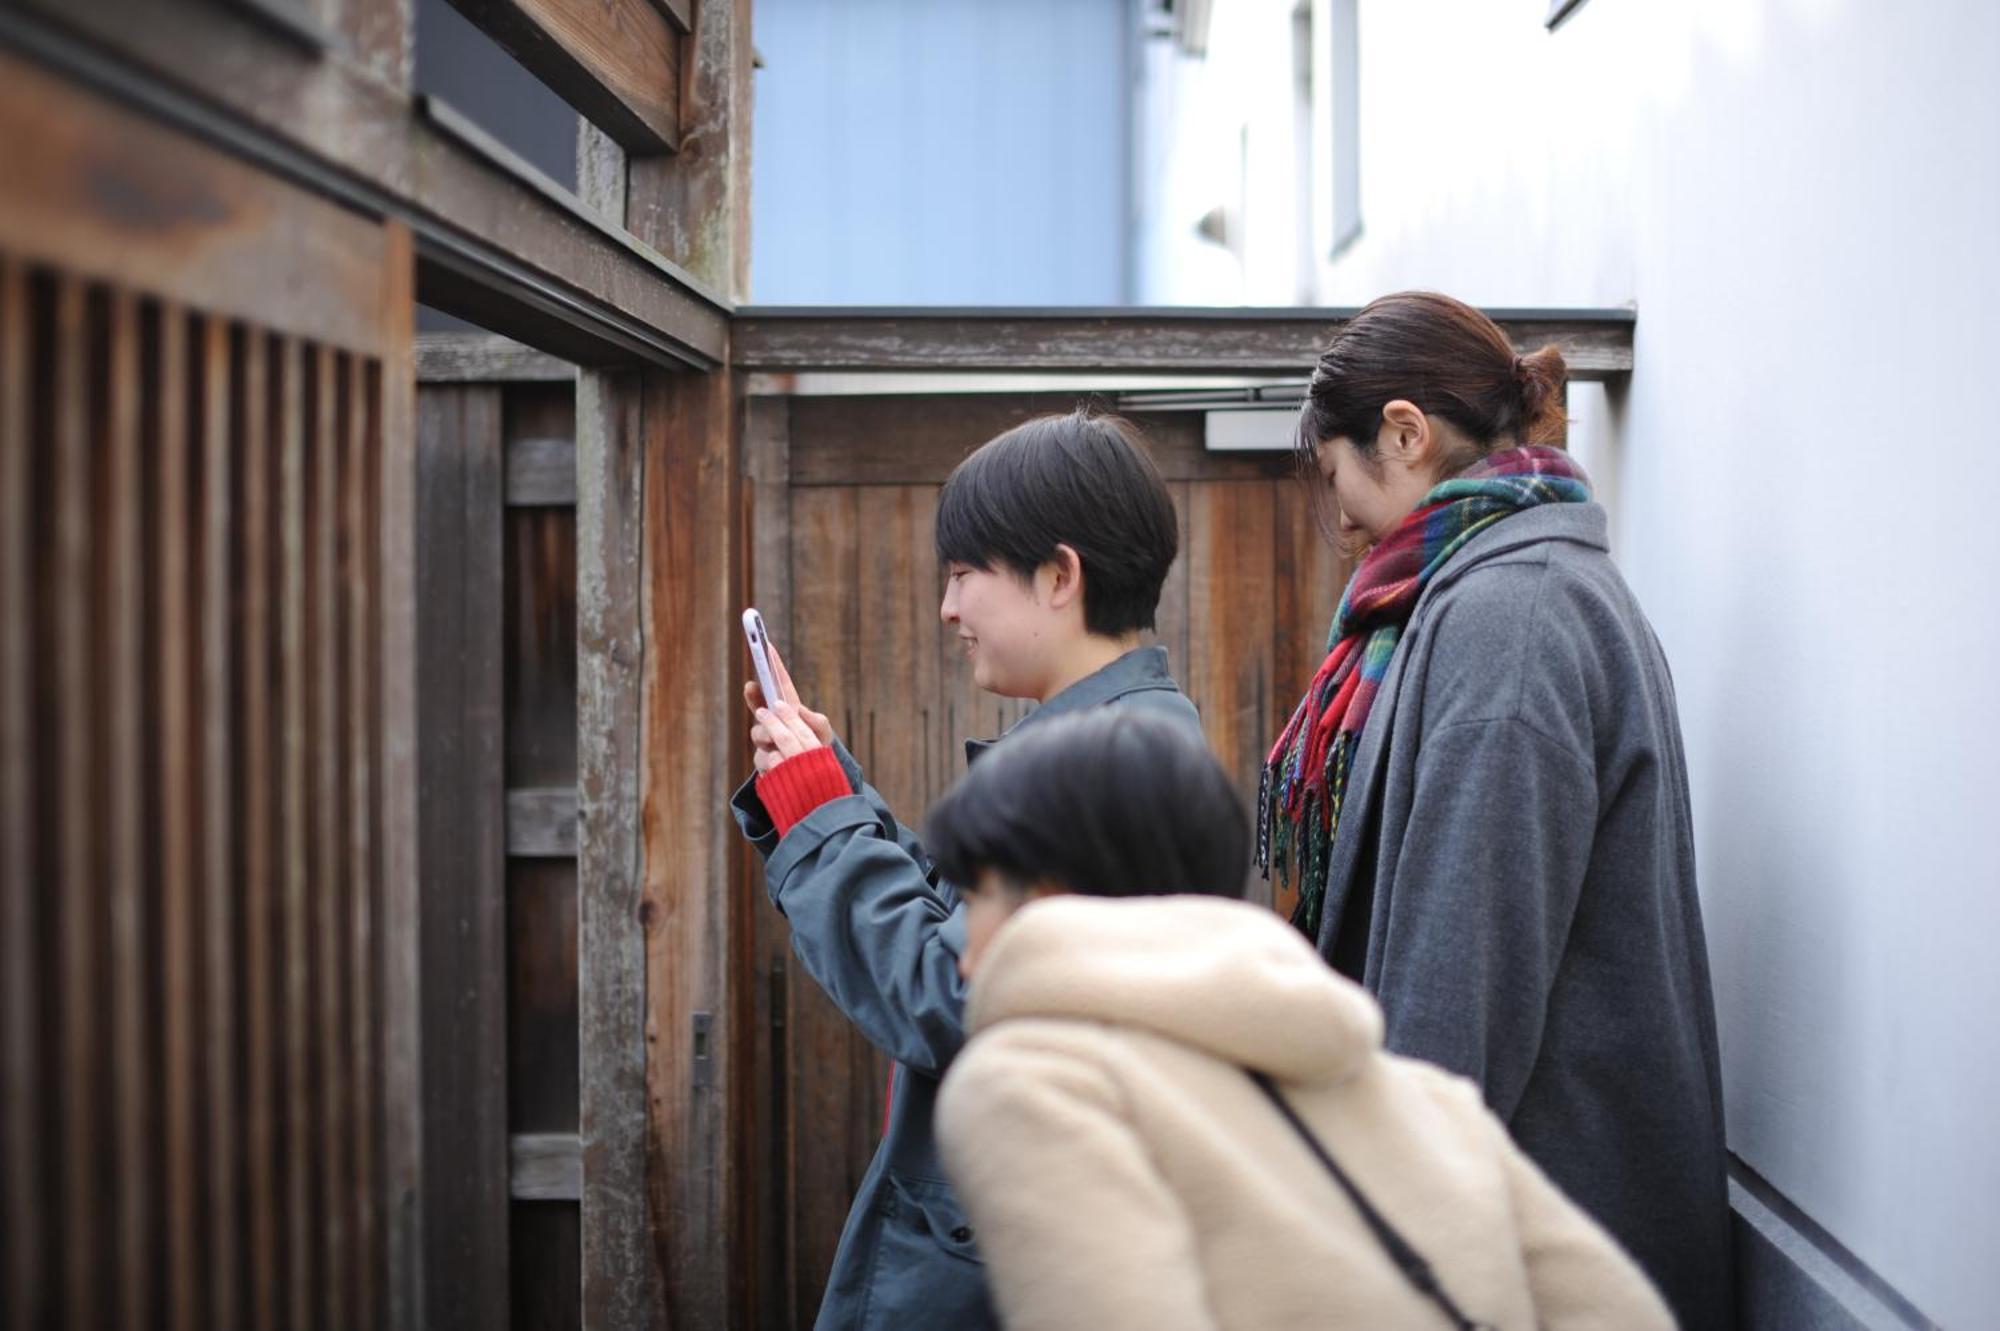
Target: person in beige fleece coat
(1119,1164)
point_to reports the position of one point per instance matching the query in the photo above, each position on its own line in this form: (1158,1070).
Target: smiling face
(1006,626)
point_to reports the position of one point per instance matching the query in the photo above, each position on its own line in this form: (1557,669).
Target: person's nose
(948,607)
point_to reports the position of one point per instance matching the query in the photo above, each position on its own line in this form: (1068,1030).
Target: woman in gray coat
(1482,797)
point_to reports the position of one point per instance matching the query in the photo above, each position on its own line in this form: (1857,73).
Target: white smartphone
(760,654)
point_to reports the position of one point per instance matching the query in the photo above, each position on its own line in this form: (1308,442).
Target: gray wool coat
(1514,879)
(881,933)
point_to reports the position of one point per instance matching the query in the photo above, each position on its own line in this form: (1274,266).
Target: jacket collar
(1137,671)
(1576,524)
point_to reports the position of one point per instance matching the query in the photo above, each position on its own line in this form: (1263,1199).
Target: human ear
(1066,577)
(1407,435)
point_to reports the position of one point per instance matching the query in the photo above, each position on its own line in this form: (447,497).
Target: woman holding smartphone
(1483,798)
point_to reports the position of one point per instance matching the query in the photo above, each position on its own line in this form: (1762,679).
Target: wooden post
(661,911)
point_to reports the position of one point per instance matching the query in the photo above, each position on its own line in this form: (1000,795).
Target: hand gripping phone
(760,654)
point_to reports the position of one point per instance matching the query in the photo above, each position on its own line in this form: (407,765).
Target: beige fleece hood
(1226,977)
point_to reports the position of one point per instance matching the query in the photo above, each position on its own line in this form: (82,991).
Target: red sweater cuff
(800,784)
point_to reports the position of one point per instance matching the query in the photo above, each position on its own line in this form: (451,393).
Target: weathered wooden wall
(204,765)
(843,496)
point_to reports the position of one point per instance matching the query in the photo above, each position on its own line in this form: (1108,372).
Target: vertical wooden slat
(623,1284)
(134,1091)
(255,419)
(23,1262)
(396,786)
(178,899)
(358,472)
(79,900)
(293,870)
(328,833)
(214,597)
(1230,628)
(696,961)
(462,853)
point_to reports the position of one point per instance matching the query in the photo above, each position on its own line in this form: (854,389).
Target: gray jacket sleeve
(1486,884)
(1493,859)
(871,922)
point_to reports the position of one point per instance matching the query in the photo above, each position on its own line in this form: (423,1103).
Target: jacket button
(963,1234)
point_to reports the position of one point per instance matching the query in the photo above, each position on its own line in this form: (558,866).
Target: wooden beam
(453,358)
(541,822)
(918,440)
(541,472)
(616,61)
(680,13)
(493,248)
(1596,343)
(695,206)
(545,1167)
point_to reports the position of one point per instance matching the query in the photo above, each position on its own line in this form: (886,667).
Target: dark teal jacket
(881,933)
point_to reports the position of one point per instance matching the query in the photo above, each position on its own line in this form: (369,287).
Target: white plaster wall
(1803,198)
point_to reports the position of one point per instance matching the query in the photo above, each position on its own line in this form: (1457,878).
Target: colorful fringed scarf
(1305,777)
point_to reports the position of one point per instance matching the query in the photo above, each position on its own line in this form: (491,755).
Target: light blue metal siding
(940,152)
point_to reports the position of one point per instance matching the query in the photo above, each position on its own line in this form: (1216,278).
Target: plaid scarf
(1305,777)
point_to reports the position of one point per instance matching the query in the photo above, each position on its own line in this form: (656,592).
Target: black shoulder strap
(1407,1259)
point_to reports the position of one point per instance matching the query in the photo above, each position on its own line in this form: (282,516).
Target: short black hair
(1085,480)
(1109,802)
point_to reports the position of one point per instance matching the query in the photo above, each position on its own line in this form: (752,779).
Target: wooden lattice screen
(203,813)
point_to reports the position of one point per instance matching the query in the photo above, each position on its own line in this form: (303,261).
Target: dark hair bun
(1542,376)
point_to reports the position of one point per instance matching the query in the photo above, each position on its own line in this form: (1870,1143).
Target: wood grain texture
(541,472)
(1230,627)
(215,585)
(21,1130)
(179,1129)
(694,207)
(295,852)
(693,904)
(333,1114)
(623,1277)
(618,62)
(541,822)
(178,776)
(134,1158)
(542,1025)
(462,853)
(79,901)
(1595,344)
(185,222)
(450,358)
(254,416)
(522,244)
(545,1166)
(395,715)
(910,440)
(362,571)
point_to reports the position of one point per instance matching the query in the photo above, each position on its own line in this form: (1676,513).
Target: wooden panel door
(205,832)
(843,496)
